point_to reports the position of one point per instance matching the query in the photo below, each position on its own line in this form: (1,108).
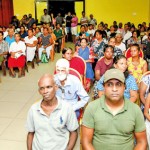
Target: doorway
(62,7)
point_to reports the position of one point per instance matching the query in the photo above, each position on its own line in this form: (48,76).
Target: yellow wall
(40,7)
(22,7)
(135,11)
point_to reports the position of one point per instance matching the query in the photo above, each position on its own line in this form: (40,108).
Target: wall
(135,11)
(22,7)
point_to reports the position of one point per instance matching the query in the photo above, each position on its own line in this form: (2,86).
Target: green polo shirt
(58,33)
(113,132)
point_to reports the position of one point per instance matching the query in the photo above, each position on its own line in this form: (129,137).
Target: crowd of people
(116,68)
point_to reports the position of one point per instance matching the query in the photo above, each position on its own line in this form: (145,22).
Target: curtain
(6,12)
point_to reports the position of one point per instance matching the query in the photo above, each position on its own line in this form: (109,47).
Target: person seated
(80,35)
(134,39)
(31,43)
(112,32)
(102,66)
(84,52)
(59,35)
(146,48)
(144,89)
(112,42)
(67,53)
(10,37)
(98,46)
(147,116)
(91,31)
(70,88)
(3,53)
(120,62)
(23,32)
(53,36)
(30,21)
(137,66)
(37,32)
(119,44)
(101,28)
(45,43)
(17,55)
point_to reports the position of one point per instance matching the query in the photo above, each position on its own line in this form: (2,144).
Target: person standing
(111,122)
(45,18)
(84,19)
(51,123)
(68,26)
(74,26)
(92,21)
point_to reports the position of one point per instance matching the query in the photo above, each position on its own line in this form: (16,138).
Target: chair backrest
(79,64)
(128,53)
(75,73)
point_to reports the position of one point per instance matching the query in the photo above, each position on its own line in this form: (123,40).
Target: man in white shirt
(119,43)
(45,18)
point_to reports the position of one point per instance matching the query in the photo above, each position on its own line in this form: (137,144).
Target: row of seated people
(134,68)
(18,47)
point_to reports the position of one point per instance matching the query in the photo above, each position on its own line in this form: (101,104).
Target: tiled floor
(16,97)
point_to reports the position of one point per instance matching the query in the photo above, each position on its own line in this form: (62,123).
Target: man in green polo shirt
(111,122)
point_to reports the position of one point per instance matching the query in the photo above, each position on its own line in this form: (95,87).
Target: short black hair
(108,46)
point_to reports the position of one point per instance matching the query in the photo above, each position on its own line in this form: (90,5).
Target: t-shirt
(31,40)
(68,21)
(51,132)
(102,66)
(113,132)
(74,22)
(122,46)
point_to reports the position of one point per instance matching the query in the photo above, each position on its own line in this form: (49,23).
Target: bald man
(51,123)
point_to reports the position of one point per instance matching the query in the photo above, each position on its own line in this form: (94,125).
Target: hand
(13,54)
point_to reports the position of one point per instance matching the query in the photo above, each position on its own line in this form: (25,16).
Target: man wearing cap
(111,122)
(70,88)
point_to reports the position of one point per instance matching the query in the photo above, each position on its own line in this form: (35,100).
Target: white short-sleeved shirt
(14,47)
(31,40)
(122,46)
(51,132)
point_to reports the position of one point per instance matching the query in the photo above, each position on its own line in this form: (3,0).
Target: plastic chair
(128,53)
(75,73)
(79,64)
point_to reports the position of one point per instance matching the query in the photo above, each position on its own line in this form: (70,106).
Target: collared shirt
(10,40)
(46,18)
(4,47)
(72,91)
(14,47)
(51,132)
(113,132)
